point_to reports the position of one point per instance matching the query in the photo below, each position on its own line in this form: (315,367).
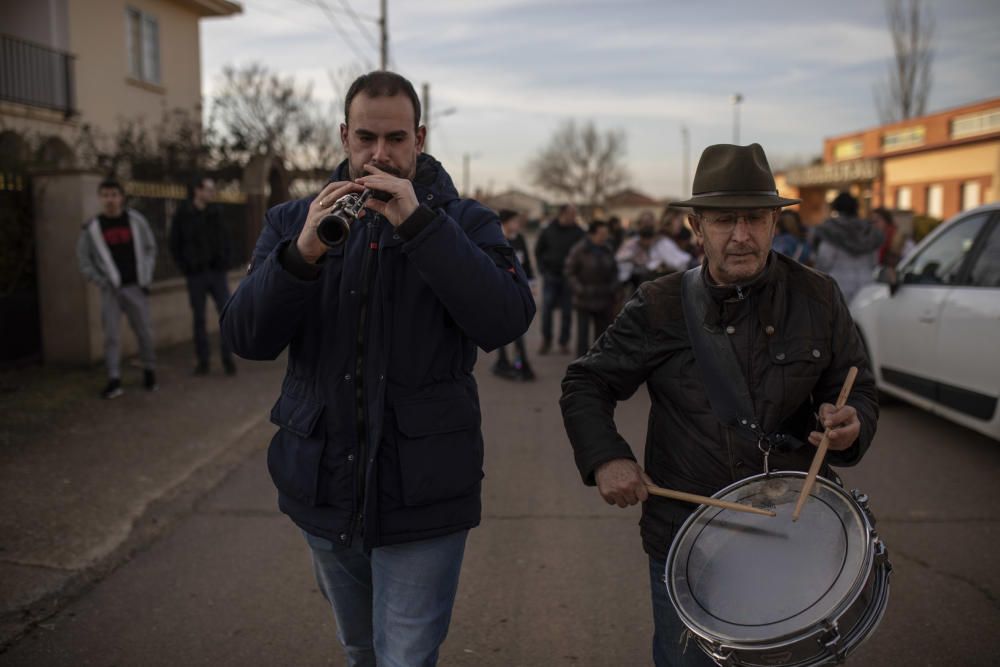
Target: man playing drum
(746,386)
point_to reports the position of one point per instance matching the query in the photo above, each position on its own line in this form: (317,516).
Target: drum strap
(720,371)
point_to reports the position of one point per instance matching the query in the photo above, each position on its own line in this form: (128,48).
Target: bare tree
(580,163)
(258,112)
(904,93)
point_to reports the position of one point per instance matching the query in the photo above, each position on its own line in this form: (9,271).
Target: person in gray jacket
(117,252)
(847,246)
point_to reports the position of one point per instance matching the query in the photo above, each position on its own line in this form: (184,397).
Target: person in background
(519,368)
(895,245)
(789,240)
(551,249)
(200,248)
(667,257)
(633,256)
(846,246)
(117,252)
(617,233)
(592,274)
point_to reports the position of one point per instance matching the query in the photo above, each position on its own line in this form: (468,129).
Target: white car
(933,329)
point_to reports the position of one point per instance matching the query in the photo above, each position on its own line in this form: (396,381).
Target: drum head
(746,579)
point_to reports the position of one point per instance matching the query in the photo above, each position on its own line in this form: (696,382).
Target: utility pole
(427,116)
(466,159)
(383,22)
(736,99)
(685,160)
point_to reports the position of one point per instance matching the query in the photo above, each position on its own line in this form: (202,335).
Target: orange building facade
(935,165)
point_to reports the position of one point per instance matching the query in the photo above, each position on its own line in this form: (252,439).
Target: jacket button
(430,197)
(730,329)
(381,377)
(780,356)
(769,330)
(347,377)
(350,457)
(816,353)
(343,537)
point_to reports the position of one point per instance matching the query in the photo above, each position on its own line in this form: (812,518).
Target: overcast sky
(514,69)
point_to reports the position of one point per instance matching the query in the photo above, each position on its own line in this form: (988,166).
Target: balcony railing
(37,76)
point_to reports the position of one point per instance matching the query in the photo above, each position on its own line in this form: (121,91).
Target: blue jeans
(392,606)
(556,294)
(668,629)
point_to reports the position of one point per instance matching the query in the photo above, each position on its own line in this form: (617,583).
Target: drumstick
(705,500)
(823,444)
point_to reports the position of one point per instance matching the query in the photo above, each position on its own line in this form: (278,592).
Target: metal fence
(159,201)
(36,75)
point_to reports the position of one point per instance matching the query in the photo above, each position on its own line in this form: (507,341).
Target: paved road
(552,577)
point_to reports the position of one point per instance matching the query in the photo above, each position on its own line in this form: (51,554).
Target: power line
(357,21)
(332,18)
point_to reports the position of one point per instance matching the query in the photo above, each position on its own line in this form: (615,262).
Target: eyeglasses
(726,222)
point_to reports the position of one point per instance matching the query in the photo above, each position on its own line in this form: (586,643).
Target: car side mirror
(888,276)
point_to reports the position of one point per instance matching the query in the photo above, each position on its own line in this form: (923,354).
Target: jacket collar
(738,292)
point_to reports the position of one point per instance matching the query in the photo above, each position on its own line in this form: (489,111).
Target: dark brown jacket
(800,365)
(592,273)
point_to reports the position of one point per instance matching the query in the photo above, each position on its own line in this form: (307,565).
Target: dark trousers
(556,293)
(584,318)
(522,353)
(200,285)
(671,646)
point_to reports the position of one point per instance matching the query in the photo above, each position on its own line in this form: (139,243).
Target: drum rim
(866,571)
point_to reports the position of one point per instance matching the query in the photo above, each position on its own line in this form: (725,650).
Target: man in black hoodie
(551,250)
(200,248)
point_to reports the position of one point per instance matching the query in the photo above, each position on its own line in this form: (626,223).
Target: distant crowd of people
(588,272)
(589,269)
(846,246)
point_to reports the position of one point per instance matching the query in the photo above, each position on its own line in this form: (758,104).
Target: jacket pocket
(801,363)
(440,448)
(294,455)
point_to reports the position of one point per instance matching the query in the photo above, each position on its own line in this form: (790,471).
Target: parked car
(932,325)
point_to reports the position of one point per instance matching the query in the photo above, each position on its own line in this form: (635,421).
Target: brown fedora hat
(731,176)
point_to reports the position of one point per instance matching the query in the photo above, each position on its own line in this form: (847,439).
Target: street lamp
(736,99)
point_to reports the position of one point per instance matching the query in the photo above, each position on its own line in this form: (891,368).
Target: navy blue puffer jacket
(391,444)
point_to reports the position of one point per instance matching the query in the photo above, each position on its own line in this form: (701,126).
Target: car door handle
(927,319)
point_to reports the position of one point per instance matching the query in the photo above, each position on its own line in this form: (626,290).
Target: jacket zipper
(367,273)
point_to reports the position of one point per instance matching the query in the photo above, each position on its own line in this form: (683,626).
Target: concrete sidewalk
(85,482)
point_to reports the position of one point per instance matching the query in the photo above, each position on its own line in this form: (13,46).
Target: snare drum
(755,590)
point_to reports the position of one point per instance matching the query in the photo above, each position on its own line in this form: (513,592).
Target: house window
(848,150)
(976,123)
(972,195)
(904,138)
(142,34)
(904,199)
(935,201)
